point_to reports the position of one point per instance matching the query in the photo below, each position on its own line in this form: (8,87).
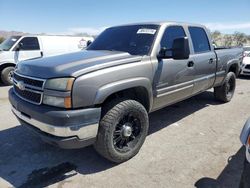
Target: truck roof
(164,23)
(46,35)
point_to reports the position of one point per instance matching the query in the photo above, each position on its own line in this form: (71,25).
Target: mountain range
(6,34)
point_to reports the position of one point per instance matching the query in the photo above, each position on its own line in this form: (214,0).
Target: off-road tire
(223,93)
(112,114)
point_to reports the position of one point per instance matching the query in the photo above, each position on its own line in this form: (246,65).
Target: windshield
(134,39)
(8,43)
(246,48)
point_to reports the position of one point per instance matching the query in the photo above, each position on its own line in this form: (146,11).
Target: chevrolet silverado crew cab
(103,95)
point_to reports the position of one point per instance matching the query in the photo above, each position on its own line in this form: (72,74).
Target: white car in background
(246,50)
(245,67)
(20,48)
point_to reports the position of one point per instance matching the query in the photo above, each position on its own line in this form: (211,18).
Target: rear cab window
(199,39)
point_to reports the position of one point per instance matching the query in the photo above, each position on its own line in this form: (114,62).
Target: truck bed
(227,54)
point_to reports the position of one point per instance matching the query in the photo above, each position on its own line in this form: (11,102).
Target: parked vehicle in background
(19,48)
(246,50)
(245,67)
(245,140)
(246,53)
(103,95)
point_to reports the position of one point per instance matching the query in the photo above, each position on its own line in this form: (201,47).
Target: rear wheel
(225,92)
(6,75)
(122,131)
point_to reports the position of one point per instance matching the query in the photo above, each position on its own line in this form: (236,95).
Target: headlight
(58,92)
(61,84)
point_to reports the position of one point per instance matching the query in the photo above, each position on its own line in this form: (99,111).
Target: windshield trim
(153,42)
(17,42)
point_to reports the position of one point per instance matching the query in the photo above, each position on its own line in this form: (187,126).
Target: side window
(30,43)
(170,34)
(199,39)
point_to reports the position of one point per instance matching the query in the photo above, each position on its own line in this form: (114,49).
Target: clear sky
(69,16)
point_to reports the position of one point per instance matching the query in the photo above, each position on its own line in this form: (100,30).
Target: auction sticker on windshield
(146,31)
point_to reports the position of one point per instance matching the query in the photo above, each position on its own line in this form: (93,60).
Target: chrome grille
(247,67)
(29,81)
(28,88)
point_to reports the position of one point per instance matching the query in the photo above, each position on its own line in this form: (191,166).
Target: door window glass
(199,39)
(30,43)
(171,33)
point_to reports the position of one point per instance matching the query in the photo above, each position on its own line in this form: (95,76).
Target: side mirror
(19,46)
(180,48)
(89,42)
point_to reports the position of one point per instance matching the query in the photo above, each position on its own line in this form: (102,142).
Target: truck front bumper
(245,70)
(65,128)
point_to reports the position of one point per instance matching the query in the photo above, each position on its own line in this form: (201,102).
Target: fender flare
(233,62)
(2,65)
(105,91)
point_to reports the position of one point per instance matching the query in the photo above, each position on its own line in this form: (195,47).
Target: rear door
(204,59)
(30,49)
(174,78)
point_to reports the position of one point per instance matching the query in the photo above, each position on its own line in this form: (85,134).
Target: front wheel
(122,130)
(225,92)
(6,75)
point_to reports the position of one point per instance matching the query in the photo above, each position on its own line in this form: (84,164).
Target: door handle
(190,64)
(210,61)
(41,54)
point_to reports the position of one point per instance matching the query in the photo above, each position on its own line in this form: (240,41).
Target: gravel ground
(194,142)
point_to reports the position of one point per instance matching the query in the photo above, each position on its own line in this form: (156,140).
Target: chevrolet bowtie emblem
(20,85)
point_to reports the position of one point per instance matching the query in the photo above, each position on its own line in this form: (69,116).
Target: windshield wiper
(113,50)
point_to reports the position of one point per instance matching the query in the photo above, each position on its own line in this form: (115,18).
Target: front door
(174,78)
(29,49)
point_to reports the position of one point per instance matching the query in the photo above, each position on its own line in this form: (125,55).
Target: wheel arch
(139,89)
(6,64)
(233,66)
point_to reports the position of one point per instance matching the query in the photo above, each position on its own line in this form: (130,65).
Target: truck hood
(74,64)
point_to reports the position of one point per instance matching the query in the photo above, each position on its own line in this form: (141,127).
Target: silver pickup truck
(103,95)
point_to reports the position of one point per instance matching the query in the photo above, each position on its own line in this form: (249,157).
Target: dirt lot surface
(195,140)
